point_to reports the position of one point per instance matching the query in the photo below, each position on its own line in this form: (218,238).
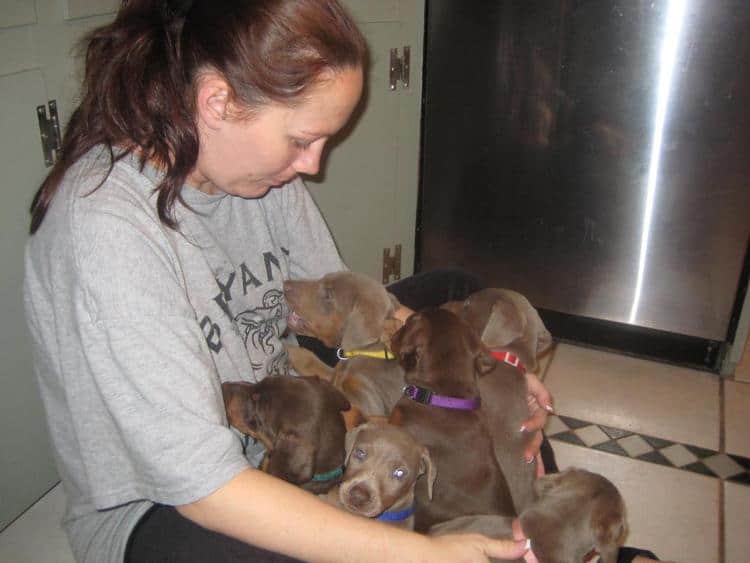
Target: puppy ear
(351,439)
(504,326)
(291,459)
(409,356)
(391,324)
(353,418)
(236,396)
(335,397)
(455,307)
(427,467)
(484,362)
(405,343)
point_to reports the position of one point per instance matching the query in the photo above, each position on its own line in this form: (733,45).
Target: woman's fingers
(506,549)
(539,392)
(532,448)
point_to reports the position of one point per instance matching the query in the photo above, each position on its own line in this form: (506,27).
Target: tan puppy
(512,329)
(575,512)
(342,309)
(444,359)
(299,421)
(356,313)
(383,463)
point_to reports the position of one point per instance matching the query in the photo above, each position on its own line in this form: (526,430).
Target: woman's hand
(473,548)
(540,405)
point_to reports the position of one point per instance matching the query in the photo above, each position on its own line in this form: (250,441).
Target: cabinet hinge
(49,130)
(400,67)
(391,264)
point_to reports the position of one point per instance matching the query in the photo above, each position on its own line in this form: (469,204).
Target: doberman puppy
(512,329)
(443,358)
(354,312)
(298,420)
(574,512)
(383,463)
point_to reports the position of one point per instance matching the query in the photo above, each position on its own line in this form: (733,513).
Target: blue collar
(397,515)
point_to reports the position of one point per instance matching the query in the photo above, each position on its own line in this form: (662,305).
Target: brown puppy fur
(575,511)
(383,463)
(357,313)
(305,362)
(443,354)
(506,321)
(298,419)
(342,309)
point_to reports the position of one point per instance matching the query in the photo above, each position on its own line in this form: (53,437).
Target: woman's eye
(301,144)
(360,453)
(399,473)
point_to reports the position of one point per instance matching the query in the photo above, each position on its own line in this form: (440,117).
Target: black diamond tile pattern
(567,431)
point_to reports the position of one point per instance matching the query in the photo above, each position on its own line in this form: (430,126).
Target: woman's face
(247,157)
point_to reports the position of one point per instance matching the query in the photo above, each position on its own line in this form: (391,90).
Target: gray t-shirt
(135,326)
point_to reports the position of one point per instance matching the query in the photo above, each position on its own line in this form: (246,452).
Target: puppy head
(577,491)
(440,351)
(342,308)
(383,463)
(506,319)
(290,416)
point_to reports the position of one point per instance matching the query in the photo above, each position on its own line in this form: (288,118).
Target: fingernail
(530,459)
(527,544)
(549,408)
(523,428)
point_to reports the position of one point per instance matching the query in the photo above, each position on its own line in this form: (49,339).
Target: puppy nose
(359,495)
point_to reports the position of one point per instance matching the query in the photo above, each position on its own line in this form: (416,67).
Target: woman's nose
(308,161)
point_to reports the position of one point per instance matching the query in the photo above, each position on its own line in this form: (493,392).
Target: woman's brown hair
(140,72)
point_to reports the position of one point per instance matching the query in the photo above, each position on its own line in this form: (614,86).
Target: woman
(159,245)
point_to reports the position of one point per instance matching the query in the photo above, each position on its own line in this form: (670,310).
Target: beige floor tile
(737,414)
(652,398)
(673,513)
(37,536)
(742,371)
(736,514)
(634,445)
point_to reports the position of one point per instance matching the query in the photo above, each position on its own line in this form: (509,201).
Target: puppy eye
(360,454)
(400,473)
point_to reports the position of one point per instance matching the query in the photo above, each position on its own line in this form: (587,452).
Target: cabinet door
(367,188)
(35,66)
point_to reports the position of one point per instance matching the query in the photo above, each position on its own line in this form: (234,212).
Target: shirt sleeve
(144,394)
(312,250)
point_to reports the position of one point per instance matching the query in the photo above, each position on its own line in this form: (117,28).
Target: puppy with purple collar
(383,463)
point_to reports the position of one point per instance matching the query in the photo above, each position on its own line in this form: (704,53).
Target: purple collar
(427,397)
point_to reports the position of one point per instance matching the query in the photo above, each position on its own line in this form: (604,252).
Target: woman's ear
(212,100)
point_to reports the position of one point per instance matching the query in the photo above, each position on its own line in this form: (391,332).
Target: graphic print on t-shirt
(260,326)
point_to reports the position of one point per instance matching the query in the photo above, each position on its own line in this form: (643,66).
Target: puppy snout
(359,496)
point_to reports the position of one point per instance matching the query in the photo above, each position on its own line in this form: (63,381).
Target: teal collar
(330,475)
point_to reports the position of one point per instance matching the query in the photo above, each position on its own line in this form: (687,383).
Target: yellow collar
(384,354)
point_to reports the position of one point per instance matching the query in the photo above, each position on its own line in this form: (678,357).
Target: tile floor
(672,439)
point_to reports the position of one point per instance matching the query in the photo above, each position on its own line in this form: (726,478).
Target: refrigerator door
(593,155)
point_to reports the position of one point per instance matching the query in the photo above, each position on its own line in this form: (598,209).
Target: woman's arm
(266,512)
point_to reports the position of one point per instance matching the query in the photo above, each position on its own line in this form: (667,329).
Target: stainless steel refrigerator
(595,156)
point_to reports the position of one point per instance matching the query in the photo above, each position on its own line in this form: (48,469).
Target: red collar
(511,360)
